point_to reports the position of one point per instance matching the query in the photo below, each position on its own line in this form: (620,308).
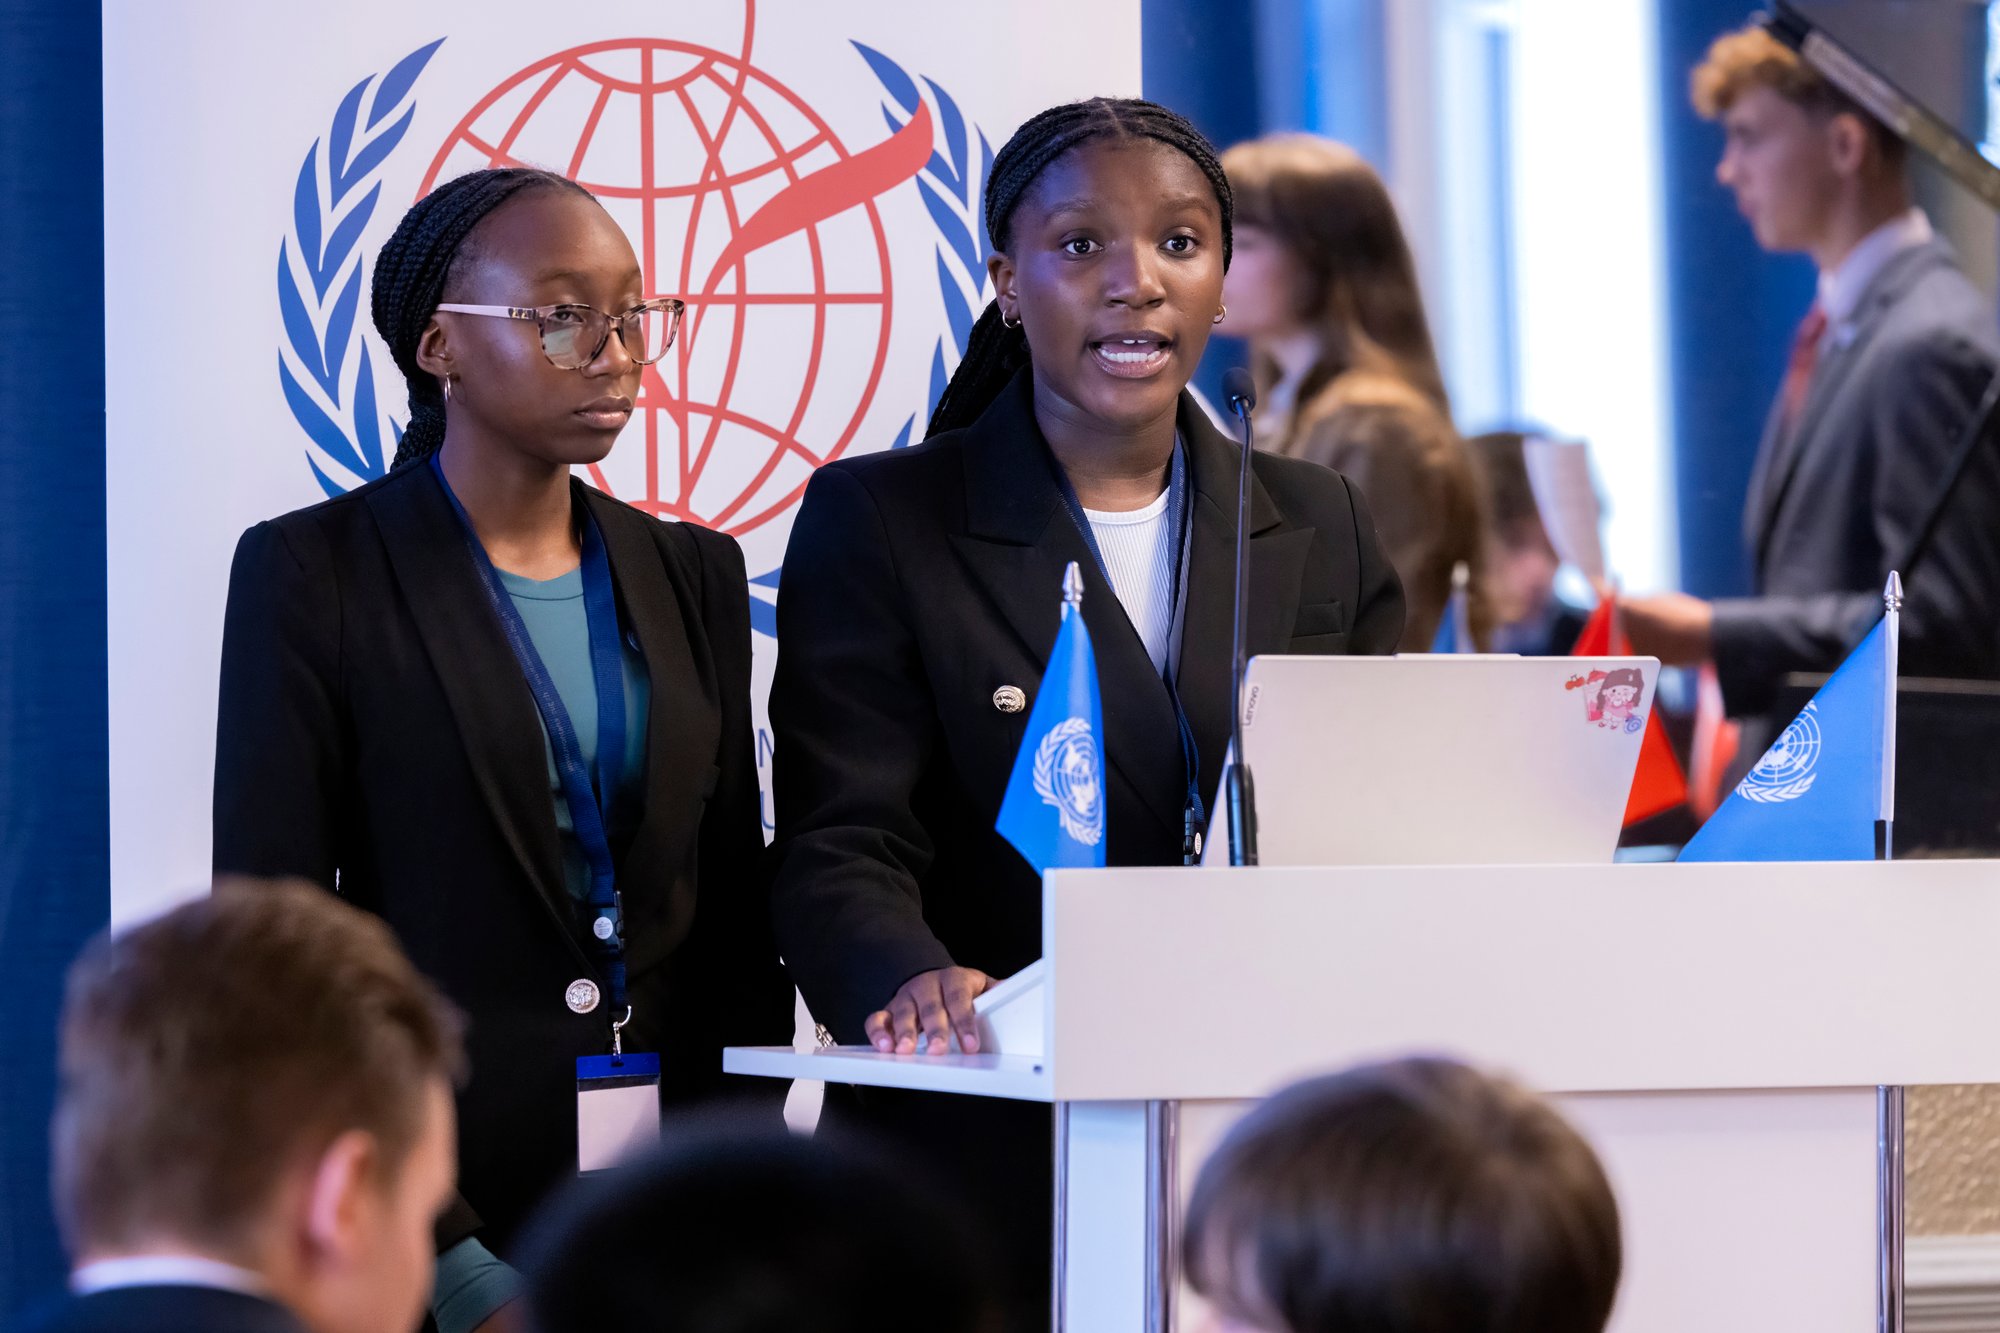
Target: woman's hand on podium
(929,1008)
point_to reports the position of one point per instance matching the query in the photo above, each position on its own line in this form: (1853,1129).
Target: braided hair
(413,268)
(996,350)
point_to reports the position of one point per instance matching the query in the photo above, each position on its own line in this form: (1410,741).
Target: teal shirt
(552,609)
(471,1285)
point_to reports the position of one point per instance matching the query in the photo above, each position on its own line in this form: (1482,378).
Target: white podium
(1719,1032)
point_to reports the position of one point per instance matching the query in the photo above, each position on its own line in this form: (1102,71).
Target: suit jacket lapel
(1757,498)
(1277,562)
(1019,540)
(1790,444)
(682,728)
(489,698)
(1843,348)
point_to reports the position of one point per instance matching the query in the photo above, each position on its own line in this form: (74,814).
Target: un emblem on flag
(1785,773)
(1066,778)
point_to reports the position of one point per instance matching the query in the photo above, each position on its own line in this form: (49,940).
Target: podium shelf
(1015,1077)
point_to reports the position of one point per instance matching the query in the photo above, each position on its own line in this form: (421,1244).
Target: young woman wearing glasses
(507,712)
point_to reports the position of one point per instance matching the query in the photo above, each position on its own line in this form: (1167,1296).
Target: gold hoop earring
(447,388)
(1013,323)
(1220,315)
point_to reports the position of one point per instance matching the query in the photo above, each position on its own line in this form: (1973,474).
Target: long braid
(412,270)
(996,350)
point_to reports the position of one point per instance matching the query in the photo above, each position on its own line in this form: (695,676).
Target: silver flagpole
(1889,1208)
(1889,1100)
(1163,1215)
(1885,821)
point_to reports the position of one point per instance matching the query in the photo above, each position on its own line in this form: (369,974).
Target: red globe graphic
(783,346)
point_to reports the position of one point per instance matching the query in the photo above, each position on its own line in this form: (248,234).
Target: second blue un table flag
(1825,790)
(1054,808)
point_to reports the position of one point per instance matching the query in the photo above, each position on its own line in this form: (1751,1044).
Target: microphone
(1240,392)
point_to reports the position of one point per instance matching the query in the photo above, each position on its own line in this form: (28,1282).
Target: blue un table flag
(1820,792)
(1053,812)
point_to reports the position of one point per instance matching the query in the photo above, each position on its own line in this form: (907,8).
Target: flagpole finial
(1892,595)
(1072,587)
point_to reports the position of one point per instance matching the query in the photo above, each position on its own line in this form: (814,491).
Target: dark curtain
(54,819)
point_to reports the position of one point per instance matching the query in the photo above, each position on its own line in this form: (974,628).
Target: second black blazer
(376,734)
(919,582)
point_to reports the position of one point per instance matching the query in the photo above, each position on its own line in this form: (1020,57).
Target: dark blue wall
(54,821)
(1200,57)
(1731,313)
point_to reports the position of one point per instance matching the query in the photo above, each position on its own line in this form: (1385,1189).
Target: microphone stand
(1239,788)
(1978,430)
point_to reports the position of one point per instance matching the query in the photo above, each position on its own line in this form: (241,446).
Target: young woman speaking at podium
(922,594)
(505,711)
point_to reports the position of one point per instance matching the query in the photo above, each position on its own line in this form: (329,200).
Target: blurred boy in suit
(1886,370)
(254,1127)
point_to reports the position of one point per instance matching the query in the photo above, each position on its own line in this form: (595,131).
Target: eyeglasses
(573,335)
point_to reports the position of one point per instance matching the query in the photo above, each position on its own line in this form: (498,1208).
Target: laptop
(1465,759)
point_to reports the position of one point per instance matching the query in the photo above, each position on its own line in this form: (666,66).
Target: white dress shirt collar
(1842,287)
(1274,413)
(166,1270)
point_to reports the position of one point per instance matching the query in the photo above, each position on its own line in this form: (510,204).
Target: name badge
(617,1108)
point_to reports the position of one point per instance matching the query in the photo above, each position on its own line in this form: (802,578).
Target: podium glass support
(1058,1303)
(1163,1214)
(1889,1208)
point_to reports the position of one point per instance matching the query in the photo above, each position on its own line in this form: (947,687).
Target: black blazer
(919,582)
(161,1309)
(376,733)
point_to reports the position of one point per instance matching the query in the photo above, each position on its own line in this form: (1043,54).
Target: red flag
(1658,785)
(1716,740)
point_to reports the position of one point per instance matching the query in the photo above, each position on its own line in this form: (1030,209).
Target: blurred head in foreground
(260,1079)
(1416,1196)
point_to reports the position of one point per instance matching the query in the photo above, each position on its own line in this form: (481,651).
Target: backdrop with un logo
(806,175)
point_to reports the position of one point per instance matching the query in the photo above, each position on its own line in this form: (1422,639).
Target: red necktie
(1805,355)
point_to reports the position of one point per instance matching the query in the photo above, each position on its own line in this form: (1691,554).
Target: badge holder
(617,1104)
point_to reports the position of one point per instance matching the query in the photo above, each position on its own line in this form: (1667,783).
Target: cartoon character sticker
(1611,698)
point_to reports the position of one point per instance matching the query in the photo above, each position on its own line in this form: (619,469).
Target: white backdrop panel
(231,268)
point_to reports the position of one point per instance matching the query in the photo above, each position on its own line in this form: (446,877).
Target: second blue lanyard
(1180,505)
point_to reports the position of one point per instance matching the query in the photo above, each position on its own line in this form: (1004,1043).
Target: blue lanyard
(1193,815)
(589,809)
